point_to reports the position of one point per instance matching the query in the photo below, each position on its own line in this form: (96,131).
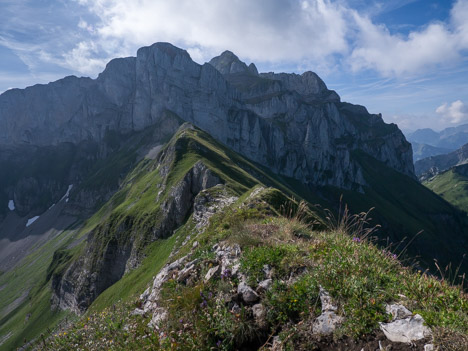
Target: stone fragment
(326,300)
(211,273)
(328,321)
(259,313)
(406,330)
(247,293)
(185,273)
(264,285)
(429,347)
(398,311)
(276,345)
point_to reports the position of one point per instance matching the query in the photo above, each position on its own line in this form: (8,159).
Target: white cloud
(393,55)
(437,44)
(315,33)
(321,35)
(454,113)
(262,30)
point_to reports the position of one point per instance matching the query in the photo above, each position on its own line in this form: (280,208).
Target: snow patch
(11,205)
(51,206)
(67,193)
(31,220)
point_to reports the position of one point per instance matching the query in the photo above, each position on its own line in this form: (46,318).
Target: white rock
(326,323)
(326,300)
(247,293)
(185,273)
(398,311)
(11,205)
(428,347)
(32,220)
(259,312)
(211,273)
(406,330)
(265,285)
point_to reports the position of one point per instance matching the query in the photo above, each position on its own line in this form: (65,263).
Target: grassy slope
(30,277)
(136,199)
(137,194)
(405,208)
(360,277)
(452,185)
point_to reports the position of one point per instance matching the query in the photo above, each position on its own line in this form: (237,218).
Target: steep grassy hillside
(136,203)
(404,208)
(452,185)
(192,193)
(289,264)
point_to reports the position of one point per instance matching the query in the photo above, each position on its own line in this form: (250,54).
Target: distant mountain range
(431,166)
(427,142)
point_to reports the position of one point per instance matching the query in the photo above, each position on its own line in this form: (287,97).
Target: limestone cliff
(290,123)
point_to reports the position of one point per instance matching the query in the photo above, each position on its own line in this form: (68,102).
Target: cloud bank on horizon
(380,54)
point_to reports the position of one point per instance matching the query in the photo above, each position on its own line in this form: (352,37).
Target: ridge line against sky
(407,59)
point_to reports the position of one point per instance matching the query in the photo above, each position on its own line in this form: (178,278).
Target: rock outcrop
(113,248)
(404,327)
(290,123)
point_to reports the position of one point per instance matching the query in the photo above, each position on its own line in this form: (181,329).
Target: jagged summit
(229,63)
(290,123)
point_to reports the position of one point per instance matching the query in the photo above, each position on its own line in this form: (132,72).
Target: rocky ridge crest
(290,123)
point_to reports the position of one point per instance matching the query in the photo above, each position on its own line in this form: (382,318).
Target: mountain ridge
(271,127)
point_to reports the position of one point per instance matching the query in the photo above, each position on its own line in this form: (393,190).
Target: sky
(406,59)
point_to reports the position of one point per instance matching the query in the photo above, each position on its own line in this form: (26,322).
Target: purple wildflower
(218,344)
(356,239)
(226,273)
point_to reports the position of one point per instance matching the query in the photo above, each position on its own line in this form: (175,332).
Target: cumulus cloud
(309,34)
(395,55)
(454,113)
(265,30)
(319,32)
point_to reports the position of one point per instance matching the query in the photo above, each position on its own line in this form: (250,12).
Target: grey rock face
(228,63)
(290,123)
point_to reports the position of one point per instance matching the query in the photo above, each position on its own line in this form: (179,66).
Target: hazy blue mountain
(450,138)
(421,151)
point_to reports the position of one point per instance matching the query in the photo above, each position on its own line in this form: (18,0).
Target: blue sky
(407,59)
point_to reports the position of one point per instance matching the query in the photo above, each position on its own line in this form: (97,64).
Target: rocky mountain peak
(229,63)
(290,123)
